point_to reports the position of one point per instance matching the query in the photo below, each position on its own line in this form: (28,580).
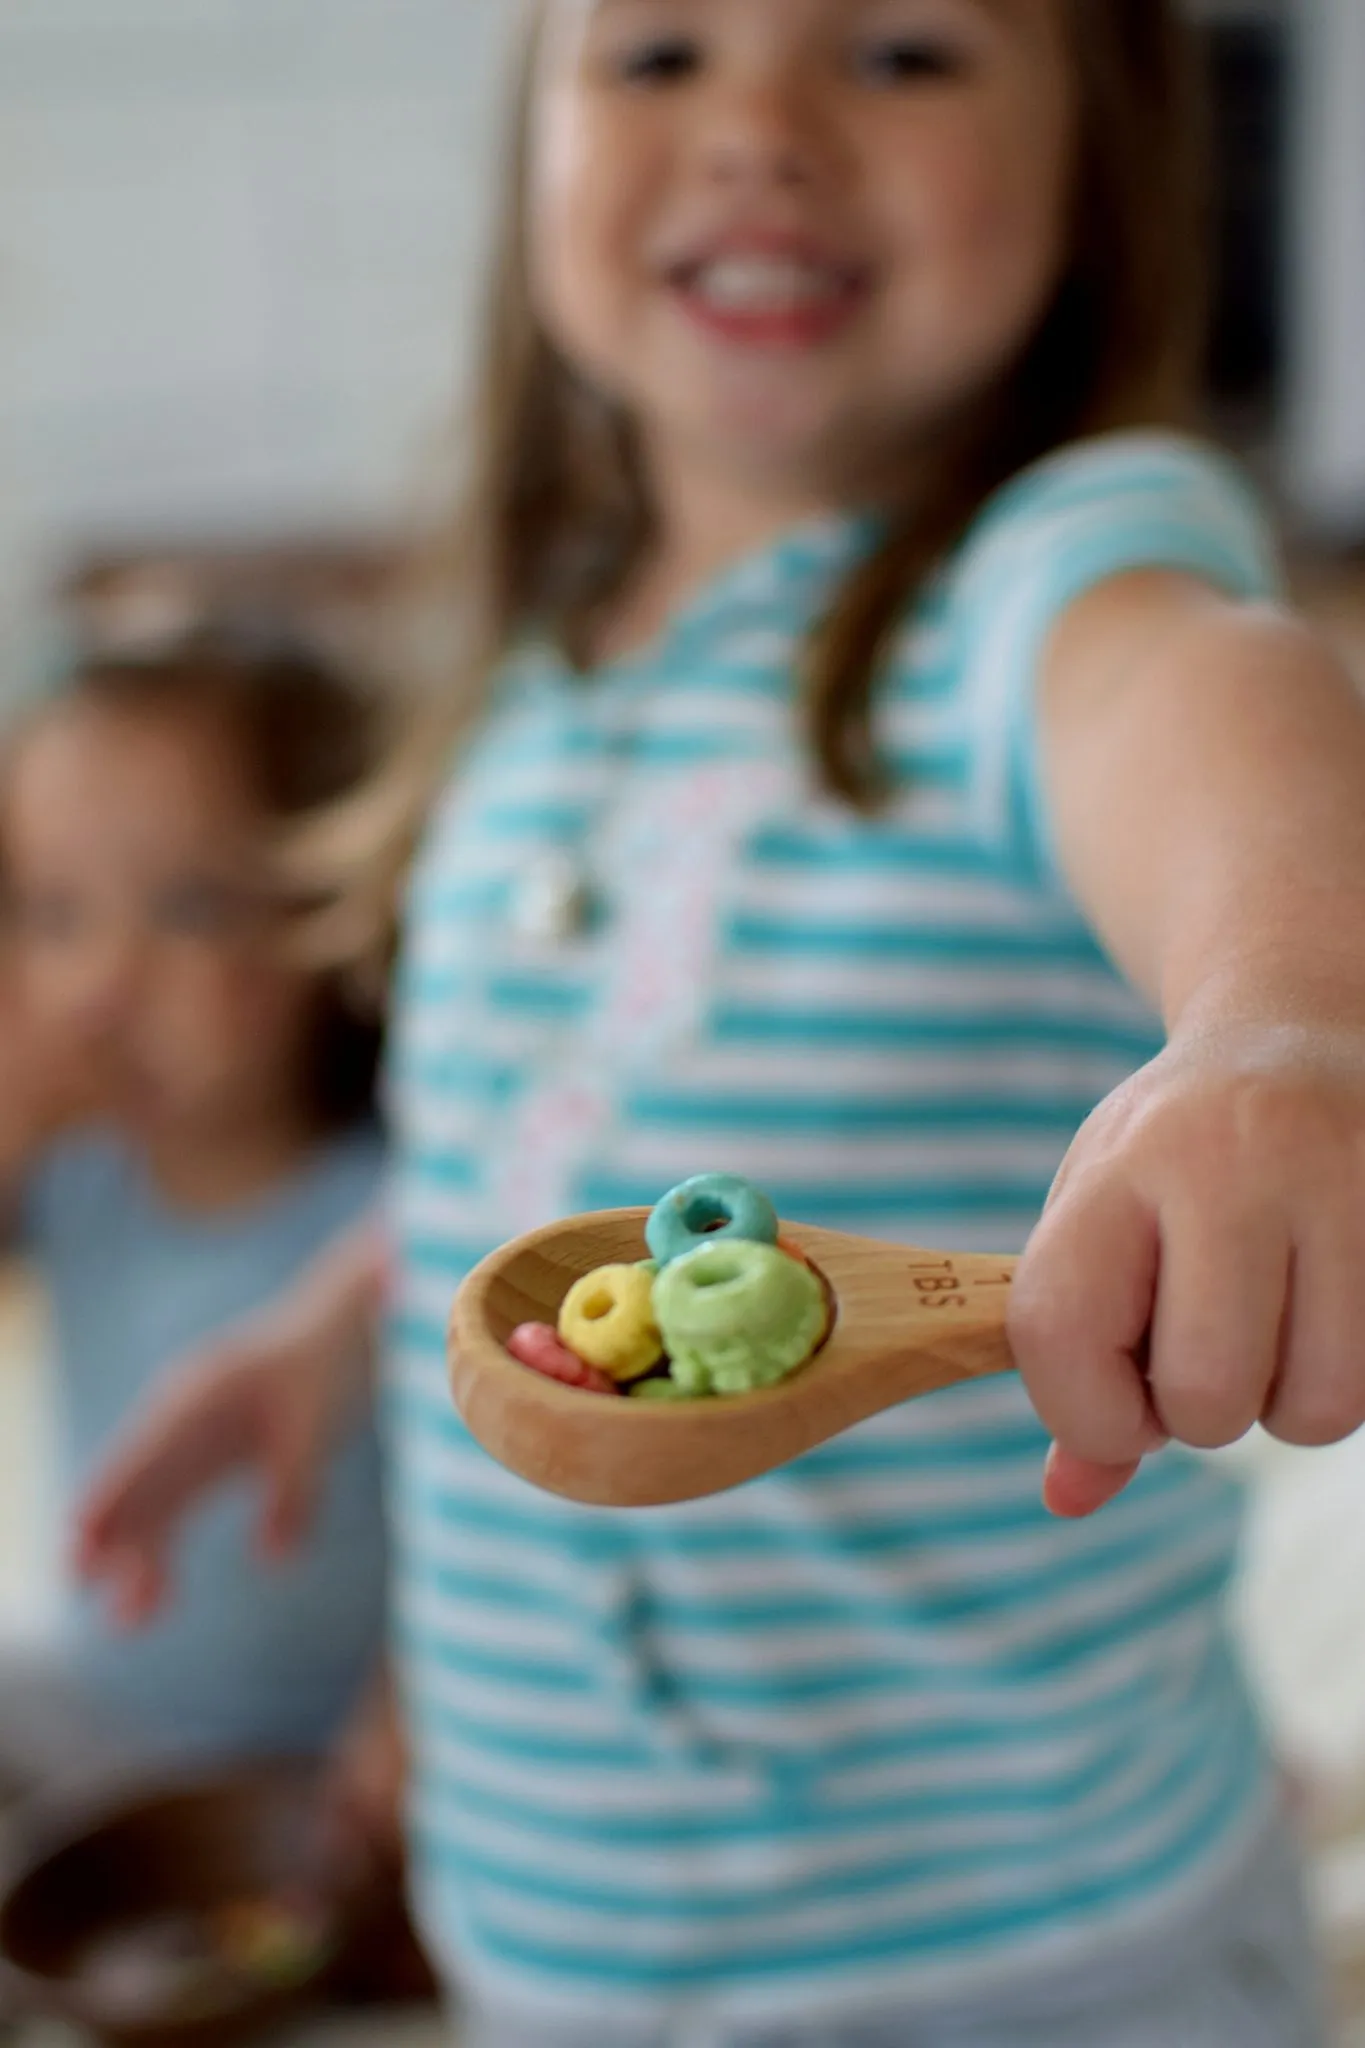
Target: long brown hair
(557,518)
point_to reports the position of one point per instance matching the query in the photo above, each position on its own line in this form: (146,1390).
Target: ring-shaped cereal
(708,1207)
(738,1316)
(608,1320)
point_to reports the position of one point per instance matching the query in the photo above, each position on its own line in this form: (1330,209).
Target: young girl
(883,726)
(187,1121)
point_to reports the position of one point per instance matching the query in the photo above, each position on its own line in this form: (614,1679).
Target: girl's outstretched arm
(274,1394)
(1201,1264)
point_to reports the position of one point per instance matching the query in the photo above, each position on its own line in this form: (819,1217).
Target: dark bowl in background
(101,1863)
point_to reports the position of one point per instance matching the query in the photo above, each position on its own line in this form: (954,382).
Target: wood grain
(908,1322)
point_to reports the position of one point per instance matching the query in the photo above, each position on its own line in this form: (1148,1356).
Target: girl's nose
(766,133)
(108,987)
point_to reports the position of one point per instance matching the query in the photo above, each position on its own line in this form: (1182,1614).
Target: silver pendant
(554,901)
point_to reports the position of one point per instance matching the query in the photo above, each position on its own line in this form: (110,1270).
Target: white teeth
(766,284)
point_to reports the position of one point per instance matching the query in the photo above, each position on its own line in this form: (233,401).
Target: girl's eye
(908,60)
(49,920)
(666,60)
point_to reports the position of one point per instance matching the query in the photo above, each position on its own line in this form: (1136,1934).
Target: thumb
(1079,1313)
(1076,1487)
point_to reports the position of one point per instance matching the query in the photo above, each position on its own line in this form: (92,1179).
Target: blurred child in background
(186,1120)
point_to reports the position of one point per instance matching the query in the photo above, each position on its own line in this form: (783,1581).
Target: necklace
(555,898)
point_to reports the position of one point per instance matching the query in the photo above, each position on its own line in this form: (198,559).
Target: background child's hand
(273,1396)
(1201,1264)
(260,1399)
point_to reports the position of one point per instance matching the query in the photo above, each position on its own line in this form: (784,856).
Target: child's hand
(272,1397)
(257,1400)
(1201,1264)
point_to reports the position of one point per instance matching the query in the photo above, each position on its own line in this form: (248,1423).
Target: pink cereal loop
(538,1346)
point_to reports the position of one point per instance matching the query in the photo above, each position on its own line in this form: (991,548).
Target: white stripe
(871,1073)
(515,1042)
(957,1646)
(760,647)
(662,1157)
(728,1866)
(912,989)
(849,1503)
(458,1121)
(588,1790)
(940,901)
(853,1718)
(805,1572)
(820,1920)
(477,861)
(585,1791)
(429,1210)
(508,785)
(829,1992)
(715,713)
(589,1717)
(472,1624)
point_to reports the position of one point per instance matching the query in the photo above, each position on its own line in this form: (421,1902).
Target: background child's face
(783,230)
(141,937)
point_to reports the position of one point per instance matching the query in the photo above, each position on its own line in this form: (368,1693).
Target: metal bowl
(91,1905)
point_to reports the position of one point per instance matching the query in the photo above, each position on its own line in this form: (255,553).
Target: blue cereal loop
(708,1207)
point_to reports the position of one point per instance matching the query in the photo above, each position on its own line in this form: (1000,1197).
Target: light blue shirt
(873,1729)
(249,1658)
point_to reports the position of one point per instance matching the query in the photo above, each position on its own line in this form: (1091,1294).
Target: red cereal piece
(538,1346)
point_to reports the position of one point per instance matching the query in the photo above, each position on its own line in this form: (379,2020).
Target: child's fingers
(137,1500)
(1073,1488)
(1319,1397)
(1079,1313)
(141,1585)
(293,1461)
(192,1434)
(1218,1316)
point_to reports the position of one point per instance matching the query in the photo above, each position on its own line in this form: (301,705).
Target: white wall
(239,247)
(1326,441)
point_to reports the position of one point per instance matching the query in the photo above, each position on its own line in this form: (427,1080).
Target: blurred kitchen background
(236,239)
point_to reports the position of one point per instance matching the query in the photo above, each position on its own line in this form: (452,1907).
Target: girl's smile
(766,289)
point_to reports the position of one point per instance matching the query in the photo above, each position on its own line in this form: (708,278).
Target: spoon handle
(919,1319)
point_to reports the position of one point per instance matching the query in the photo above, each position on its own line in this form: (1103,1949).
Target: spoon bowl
(907,1322)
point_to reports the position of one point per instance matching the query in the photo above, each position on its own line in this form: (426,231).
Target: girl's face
(142,941)
(792,236)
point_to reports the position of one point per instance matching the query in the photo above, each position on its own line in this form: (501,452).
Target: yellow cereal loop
(608,1320)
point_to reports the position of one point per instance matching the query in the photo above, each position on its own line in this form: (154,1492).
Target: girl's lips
(771,300)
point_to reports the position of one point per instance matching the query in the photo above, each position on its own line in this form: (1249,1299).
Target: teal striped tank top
(872,1729)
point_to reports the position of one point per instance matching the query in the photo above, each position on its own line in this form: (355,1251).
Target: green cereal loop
(736,1316)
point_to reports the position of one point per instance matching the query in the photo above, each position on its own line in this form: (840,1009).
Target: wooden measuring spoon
(907,1322)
